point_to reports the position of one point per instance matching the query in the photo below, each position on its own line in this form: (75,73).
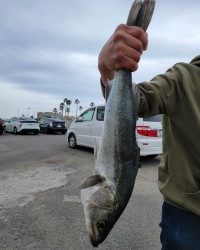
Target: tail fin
(141,13)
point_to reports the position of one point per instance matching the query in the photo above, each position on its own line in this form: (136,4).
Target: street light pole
(28,111)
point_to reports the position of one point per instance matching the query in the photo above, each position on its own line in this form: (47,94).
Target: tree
(68,102)
(91,104)
(77,103)
(55,110)
(68,110)
(62,107)
(65,104)
(80,108)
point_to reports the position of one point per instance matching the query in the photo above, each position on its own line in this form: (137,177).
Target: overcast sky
(49,49)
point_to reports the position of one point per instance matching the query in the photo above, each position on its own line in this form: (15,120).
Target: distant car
(48,125)
(2,126)
(89,125)
(22,125)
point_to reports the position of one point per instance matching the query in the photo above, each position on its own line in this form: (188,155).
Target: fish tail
(141,13)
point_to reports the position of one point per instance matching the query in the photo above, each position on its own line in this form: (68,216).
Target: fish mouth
(94,242)
(91,232)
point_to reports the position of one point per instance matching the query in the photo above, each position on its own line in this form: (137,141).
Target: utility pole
(28,111)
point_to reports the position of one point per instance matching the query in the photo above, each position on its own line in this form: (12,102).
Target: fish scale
(106,194)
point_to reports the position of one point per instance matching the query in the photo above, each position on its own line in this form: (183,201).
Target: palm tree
(68,110)
(68,102)
(61,107)
(77,103)
(65,103)
(55,110)
(91,104)
(80,108)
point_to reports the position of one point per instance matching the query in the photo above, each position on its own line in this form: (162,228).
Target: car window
(100,113)
(14,119)
(40,121)
(46,120)
(88,115)
(156,118)
(29,121)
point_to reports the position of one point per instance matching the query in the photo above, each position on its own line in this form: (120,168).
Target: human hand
(122,50)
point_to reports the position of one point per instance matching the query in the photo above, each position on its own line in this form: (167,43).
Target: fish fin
(90,181)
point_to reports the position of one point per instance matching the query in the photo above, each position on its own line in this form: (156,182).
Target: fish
(106,193)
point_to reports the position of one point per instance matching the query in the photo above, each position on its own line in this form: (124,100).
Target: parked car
(88,127)
(2,126)
(22,125)
(48,125)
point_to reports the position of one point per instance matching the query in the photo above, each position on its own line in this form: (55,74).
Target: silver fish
(106,194)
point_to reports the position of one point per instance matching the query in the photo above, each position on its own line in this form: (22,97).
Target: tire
(15,131)
(36,133)
(72,141)
(1,132)
(46,131)
(151,156)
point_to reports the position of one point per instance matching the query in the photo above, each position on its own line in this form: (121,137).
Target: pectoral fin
(90,181)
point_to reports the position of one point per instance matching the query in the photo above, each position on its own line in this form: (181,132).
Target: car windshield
(28,121)
(156,118)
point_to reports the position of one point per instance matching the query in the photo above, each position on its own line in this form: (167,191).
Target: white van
(88,127)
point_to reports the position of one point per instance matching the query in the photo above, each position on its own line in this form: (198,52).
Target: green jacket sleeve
(162,95)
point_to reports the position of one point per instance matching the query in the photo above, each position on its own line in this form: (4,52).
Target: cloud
(49,49)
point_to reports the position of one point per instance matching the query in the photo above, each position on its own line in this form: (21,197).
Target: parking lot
(40,205)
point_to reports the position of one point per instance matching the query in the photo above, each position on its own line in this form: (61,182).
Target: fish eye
(101,225)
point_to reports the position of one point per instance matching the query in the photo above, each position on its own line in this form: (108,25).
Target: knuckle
(139,31)
(119,57)
(134,66)
(139,47)
(121,26)
(118,36)
(136,56)
(119,47)
(101,64)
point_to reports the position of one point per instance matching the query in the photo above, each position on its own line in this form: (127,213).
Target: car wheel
(1,132)
(36,133)
(72,141)
(46,131)
(15,131)
(151,156)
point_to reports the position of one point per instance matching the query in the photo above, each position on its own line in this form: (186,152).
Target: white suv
(89,125)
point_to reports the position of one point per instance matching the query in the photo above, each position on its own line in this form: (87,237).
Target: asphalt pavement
(40,205)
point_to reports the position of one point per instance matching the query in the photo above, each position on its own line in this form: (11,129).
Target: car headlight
(50,124)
